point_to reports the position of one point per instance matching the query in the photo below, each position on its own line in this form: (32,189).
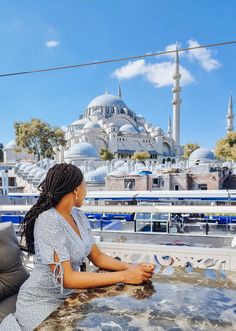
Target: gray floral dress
(43,291)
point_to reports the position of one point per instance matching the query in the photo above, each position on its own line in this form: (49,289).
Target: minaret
(176,102)
(119,91)
(230,116)
(169,130)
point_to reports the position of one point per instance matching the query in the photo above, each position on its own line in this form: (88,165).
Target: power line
(114,60)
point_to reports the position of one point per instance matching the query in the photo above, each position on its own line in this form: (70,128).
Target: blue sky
(37,34)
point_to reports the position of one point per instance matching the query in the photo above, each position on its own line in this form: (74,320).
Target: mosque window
(202,186)
(129,183)
(176,187)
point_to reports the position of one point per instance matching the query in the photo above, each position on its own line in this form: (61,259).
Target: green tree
(226,147)
(140,156)
(106,155)
(38,137)
(188,149)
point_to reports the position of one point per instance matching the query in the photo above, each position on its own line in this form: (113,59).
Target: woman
(60,238)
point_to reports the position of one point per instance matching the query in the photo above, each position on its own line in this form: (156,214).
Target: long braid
(61,179)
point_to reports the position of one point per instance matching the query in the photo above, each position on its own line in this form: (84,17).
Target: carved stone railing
(165,256)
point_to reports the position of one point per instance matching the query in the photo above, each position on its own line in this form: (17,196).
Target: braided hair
(61,179)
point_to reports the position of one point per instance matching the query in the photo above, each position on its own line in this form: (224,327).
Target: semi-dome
(11,145)
(127,128)
(142,129)
(107,100)
(202,155)
(92,125)
(83,150)
(81,122)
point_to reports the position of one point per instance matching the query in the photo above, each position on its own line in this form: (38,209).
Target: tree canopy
(188,149)
(106,155)
(38,137)
(140,156)
(226,147)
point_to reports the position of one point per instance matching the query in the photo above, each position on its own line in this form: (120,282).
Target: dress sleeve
(50,238)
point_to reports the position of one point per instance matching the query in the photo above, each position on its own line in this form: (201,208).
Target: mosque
(108,123)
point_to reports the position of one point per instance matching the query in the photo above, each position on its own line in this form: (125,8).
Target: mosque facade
(108,123)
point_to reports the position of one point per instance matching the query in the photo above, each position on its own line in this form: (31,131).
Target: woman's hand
(139,273)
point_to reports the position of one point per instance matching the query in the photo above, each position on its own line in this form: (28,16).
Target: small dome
(39,174)
(27,170)
(1,146)
(119,171)
(107,100)
(118,163)
(227,164)
(202,155)
(32,172)
(92,125)
(23,166)
(94,177)
(11,145)
(103,171)
(127,128)
(42,178)
(82,149)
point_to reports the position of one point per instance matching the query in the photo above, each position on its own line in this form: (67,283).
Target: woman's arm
(105,261)
(77,279)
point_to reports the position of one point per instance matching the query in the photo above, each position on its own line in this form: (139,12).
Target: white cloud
(203,56)
(130,70)
(159,74)
(52,43)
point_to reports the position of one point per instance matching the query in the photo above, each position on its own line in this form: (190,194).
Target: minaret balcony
(177,76)
(176,89)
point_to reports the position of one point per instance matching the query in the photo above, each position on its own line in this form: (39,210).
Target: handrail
(198,209)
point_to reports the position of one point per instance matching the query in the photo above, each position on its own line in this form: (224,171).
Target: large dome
(202,155)
(107,100)
(82,149)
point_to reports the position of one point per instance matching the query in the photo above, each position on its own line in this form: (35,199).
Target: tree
(106,155)
(188,149)
(226,147)
(140,156)
(38,137)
